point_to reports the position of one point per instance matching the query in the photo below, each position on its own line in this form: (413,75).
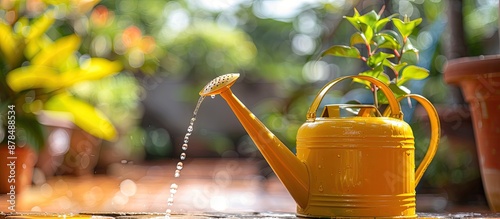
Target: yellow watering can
(361,166)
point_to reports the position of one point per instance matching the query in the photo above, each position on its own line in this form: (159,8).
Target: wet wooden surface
(204,185)
(207,188)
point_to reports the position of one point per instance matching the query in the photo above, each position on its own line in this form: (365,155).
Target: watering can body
(359,167)
(356,166)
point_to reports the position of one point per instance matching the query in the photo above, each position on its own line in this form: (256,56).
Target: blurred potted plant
(36,73)
(479,80)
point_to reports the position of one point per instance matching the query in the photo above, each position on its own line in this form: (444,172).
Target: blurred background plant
(38,70)
(170,49)
(55,57)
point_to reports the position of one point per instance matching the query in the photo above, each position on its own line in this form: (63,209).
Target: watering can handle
(393,103)
(435,133)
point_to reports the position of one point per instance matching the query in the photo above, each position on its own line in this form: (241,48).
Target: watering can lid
(395,109)
(349,110)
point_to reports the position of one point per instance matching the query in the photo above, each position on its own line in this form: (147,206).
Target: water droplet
(173,188)
(193,119)
(338,155)
(190,128)
(319,166)
(180,165)
(186,139)
(212,96)
(320,188)
(188,134)
(183,156)
(177,173)
(184,147)
(170,201)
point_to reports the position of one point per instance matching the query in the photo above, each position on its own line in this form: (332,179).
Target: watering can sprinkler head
(219,84)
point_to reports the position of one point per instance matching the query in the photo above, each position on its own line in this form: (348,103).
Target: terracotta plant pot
(479,79)
(68,149)
(16,170)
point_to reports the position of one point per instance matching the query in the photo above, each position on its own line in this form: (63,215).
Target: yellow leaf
(40,26)
(10,45)
(57,53)
(92,69)
(33,76)
(36,45)
(85,115)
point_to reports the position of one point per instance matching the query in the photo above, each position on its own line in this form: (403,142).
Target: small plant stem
(400,54)
(375,99)
(381,10)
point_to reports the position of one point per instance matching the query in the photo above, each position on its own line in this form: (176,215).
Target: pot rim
(459,69)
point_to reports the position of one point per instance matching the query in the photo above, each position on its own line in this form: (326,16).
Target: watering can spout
(292,172)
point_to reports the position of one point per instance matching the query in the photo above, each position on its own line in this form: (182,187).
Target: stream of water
(182,157)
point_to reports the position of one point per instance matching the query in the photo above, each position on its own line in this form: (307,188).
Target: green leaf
(380,24)
(354,20)
(377,73)
(412,72)
(410,53)
(388,63)
(367,32)
(378,59)
(362,37)
(395,67)
(357,38)
(388,41)
(370,19)
(400,66)
(398,91)
(84,115)
(342,51)
(410,48)
(384,78)
(406,28)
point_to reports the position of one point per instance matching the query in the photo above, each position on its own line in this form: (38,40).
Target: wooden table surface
(219,186)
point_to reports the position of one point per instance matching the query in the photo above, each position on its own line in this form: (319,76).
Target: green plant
(383,49)
(37,72)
